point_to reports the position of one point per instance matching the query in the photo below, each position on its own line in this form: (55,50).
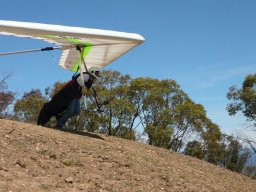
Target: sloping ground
(35,159)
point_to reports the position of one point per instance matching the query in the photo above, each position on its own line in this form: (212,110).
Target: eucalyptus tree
(29,105)
(116,117)
(244,99)
(6,97)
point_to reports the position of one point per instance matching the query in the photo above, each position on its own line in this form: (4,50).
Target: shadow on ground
(92,135)
(87,134)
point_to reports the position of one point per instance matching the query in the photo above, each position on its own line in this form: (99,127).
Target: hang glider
(95,47)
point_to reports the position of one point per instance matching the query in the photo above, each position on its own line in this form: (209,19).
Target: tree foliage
(117,118)
(6,97)
(228,152)
(234,155)
(194,149)
(244,99)
(28,107)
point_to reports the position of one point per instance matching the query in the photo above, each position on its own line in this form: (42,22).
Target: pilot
(66,103)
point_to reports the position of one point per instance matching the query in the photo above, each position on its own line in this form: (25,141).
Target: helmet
(94,71)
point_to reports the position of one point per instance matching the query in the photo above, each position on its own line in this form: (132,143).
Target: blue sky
(205,45)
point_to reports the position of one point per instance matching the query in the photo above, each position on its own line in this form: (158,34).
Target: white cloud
(214,75)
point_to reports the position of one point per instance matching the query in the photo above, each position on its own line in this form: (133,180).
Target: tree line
(158,110)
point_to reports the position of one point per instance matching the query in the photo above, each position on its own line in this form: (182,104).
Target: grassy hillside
(35,158)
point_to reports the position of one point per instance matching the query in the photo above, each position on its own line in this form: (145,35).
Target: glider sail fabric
(101,47)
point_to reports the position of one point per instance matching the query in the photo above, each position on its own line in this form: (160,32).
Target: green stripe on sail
(86,50)
(69,39)
(51,36)
(77,41)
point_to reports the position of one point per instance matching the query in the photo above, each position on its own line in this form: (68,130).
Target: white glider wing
(101,47)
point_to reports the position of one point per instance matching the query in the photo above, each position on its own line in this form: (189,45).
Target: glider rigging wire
(31,50)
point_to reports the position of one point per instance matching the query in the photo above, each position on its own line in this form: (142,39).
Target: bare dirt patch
(34,158)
